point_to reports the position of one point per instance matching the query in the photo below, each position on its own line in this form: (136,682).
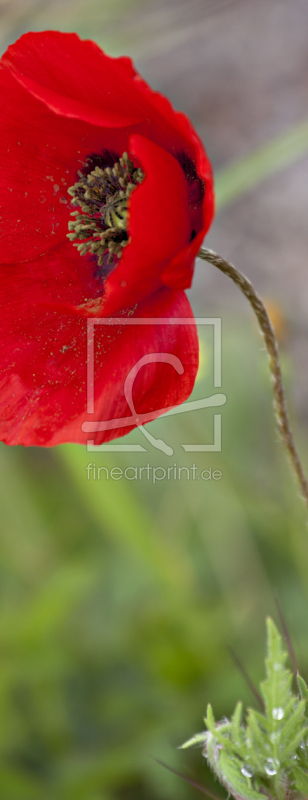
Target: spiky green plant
(265,758)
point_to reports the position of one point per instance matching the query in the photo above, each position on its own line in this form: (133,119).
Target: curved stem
(280,403)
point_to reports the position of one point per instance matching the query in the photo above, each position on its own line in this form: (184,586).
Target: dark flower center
(102,195)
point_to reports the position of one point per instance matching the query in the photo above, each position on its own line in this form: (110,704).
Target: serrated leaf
(236,729)
(269,742)
(225,741)
(294,743)
(212,755)
(255,737)
(261,720)
(210,719)
(290,730)
(234,780)
(288,709)
(302,687)
(275,653)
(198,738)
(276,689)
(301,779)
(220,732)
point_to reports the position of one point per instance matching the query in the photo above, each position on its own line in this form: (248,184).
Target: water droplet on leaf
(302,745)
(247,770)
(278,713)
(272,766)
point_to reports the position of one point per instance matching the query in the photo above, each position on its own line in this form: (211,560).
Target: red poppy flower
(140,203)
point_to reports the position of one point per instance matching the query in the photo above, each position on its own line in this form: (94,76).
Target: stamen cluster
(101,220)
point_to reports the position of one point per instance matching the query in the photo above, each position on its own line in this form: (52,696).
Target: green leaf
(261,720)
(234,780)
(199,738)
(236,730)
(220,732)
(210,720)
(276,689)
(302,687)
(293,744)
(301,779)
(291,727)
(212,755)
(255,736)
(245,758)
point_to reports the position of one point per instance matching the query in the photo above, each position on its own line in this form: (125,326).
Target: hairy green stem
(280,403)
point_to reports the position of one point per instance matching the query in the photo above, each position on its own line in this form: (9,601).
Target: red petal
(43,367)
(40,156)
(174,130)
(179,272)
(159,227)
(62,274)
(77,79)
(74,78)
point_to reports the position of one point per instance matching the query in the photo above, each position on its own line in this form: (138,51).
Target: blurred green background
(119,599)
